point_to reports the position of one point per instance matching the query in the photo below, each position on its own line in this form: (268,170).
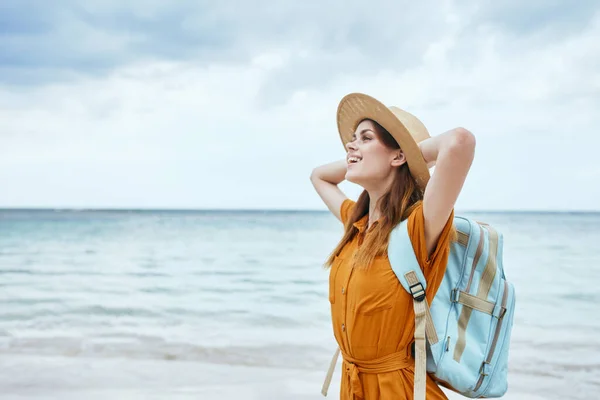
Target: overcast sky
(230,104)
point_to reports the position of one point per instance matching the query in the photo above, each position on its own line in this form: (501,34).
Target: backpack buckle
(502,312)
(484,370)
(454,295)
(418,291)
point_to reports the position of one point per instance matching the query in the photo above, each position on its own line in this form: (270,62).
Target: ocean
(225,304)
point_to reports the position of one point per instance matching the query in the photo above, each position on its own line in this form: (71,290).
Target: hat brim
(356,107)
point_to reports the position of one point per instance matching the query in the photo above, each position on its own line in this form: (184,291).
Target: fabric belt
(391,362)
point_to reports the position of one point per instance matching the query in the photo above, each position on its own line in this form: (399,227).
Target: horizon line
(295,210)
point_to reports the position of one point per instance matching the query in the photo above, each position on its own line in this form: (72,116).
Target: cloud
(44,41)
(231,105)
(549,18)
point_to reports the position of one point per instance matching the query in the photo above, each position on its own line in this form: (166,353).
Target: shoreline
(28,377)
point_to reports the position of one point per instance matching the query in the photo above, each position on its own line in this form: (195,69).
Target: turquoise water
(247,288)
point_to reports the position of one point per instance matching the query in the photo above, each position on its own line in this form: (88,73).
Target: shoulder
(346,209)
(416,231)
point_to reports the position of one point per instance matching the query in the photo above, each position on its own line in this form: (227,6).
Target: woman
(389,152)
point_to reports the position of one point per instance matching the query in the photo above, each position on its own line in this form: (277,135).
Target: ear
(398,159)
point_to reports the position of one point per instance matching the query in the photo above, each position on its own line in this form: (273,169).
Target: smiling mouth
(354,160)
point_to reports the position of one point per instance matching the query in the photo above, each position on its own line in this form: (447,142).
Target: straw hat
(403,126)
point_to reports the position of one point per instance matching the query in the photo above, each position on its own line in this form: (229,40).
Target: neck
(374,212)
(374,195)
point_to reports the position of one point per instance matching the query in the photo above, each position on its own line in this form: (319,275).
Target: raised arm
(325,179)
(452,153)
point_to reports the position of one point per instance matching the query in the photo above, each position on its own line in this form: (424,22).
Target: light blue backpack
(469,323)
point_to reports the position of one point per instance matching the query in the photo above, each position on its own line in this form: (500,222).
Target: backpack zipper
(495,340)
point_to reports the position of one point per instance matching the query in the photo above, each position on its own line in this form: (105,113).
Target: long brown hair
(395,206)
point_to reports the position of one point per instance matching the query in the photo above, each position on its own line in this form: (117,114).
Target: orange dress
(373,317)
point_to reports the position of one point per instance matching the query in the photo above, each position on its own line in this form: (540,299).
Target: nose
(351,145)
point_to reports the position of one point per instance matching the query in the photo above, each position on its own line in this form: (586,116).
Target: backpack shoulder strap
(403,259)
(406,267)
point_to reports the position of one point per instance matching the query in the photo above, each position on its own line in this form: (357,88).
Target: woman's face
(368,159)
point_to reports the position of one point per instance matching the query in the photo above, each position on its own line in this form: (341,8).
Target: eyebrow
(363,131)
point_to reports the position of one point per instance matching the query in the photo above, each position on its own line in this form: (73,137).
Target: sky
(231,104)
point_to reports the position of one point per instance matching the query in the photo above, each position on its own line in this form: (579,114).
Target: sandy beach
(65,378)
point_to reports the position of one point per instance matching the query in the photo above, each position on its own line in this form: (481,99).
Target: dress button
(343,290)
(343,328)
